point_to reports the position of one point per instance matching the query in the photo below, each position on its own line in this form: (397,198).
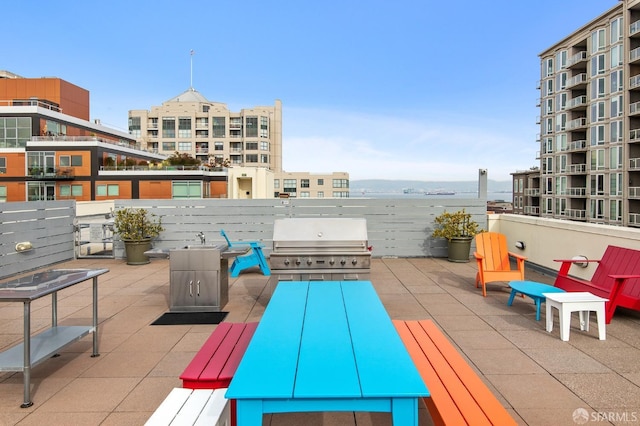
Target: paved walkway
(539,378)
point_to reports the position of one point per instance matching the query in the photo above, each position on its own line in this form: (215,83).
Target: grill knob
(287,262)
(298,262)
(354,261)
(332,261)
(343,261)
(309,262)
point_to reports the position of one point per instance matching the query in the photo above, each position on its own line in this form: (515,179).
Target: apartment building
(49,150)
(590,123)
(252,138)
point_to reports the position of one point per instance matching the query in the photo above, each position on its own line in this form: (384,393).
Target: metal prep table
(47,343)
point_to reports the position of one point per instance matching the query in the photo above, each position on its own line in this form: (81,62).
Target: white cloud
(392,147)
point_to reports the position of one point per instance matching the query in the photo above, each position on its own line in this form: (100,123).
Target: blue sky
(398,89)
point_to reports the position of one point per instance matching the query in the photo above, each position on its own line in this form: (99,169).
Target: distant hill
(382,185)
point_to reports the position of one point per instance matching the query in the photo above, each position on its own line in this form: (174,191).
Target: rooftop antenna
(191,57)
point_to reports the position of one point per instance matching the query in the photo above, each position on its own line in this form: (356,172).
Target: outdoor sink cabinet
(199,278)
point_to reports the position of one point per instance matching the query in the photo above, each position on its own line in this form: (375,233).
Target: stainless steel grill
(320,249)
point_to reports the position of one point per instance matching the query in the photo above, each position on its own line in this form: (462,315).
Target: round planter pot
(135,251)
(459,249)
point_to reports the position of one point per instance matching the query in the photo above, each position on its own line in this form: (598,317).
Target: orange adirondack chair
(493,260)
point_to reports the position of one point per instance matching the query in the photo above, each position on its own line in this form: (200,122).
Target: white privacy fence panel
(396,227)
(46,225)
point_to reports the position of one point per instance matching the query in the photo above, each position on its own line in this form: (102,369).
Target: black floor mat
(182,318)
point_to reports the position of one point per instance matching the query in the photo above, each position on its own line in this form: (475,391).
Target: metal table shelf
(37,348)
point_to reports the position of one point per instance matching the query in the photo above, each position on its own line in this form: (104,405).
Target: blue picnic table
(326,346)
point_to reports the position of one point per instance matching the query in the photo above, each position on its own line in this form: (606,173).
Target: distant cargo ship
(439,193)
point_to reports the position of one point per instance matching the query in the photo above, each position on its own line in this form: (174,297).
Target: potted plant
(459,229)
(136,227)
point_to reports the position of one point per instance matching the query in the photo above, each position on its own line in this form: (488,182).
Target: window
(615,184)
(615,157)
(168,127)
(340,194)
(289,185)
(304,194)
(251,158)
(264,146)
(598,88)
(561,186)
(561,122)
(561,60)
(276,183)
(548,125)
(597,111)
(548,107)
(597,209)
(304,183)
(70,190)
(547,165)
(615,210)
(597,184)
(184,127)
(320,194)
(184,146)
(548,185)
(65,161)
(15,132)
(264,158)
(548,205)
(617,108)
(561,142)
(340,183)
(219,127)
(3,165)
(549,86)
(108,190)
(218,146)
(561,101)
(251,126)
(616,56)
(616,131)
(597,159)
(251,146)
(134,127)
(617,84)
(548,67)
(168,146)
(3,194)
(561,164)
(561,206)
(547,145)
(597,65)
(264,127)
(597,135)
(202,122)
(561,81)
(598,40)
(76,160)
(186,189)
(320,182)
(616,30)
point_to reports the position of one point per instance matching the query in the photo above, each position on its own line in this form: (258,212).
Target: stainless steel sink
(201,247)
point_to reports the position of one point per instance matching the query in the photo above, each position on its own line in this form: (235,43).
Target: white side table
(569,302)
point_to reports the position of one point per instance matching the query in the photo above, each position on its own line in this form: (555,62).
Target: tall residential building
(252,138)
(191,124)
(590,122)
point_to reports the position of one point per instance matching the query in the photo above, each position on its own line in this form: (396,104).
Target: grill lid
(319,232)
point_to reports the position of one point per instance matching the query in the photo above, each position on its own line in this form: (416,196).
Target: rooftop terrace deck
(539,378)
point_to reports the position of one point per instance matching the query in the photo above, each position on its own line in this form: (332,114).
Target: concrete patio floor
(540,379)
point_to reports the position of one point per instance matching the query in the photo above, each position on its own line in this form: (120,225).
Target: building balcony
(576,214)
(578,123)
(634,135)
(577,81)
(532,210)
(634,56)
(634,29)
(577,102)
(50,173)
(634,219)
(579,59)
(634,163)
(577,192)
(634,82)
(634,192)
(574,146)
(573,169)
(532,192)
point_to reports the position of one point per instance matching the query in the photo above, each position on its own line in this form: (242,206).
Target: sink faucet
(201,236)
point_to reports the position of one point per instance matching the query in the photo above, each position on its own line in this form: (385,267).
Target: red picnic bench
(217,360)
(616,278)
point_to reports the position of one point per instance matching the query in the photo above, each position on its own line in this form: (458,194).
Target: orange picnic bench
(217,360)
(616,278)
(458,395)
